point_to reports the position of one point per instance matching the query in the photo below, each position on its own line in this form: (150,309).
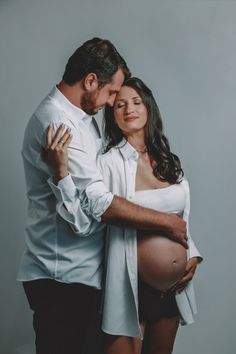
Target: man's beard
(87,104)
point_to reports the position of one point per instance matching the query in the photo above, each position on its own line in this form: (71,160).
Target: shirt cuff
(65,190)
(103,207)
(195,253)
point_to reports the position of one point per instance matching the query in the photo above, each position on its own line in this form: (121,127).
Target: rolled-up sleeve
(69,207)
(82,196)
(95,199)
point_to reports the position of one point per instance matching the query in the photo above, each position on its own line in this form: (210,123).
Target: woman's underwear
(155,304)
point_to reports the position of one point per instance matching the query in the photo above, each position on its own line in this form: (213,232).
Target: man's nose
(110,101)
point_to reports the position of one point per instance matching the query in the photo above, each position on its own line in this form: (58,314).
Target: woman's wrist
(59,175)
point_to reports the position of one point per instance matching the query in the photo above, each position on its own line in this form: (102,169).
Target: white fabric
(169,199)
(120,304)
(53,250)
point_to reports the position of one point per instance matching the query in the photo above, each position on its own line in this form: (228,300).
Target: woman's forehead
(127,92)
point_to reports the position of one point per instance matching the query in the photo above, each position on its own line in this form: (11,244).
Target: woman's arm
(194,255)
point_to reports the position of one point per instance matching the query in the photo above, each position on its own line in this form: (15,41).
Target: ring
(61,142)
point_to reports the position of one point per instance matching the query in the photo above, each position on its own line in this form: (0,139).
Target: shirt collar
(67,106)
(127,150)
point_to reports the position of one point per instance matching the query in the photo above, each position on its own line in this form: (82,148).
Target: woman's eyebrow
(123,99)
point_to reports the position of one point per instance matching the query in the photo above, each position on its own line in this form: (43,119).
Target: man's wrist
(166,222)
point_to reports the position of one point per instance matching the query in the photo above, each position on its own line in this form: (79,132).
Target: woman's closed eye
(137,102)
(120,104)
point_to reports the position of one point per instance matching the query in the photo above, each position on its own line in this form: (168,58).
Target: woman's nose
(129,109)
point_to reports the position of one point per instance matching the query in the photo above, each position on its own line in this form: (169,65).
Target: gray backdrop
(186,52)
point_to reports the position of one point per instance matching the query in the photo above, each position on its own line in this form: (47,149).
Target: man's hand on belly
(176,229)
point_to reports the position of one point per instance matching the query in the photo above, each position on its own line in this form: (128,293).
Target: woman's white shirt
(120,301)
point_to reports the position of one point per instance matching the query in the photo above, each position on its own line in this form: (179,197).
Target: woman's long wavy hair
(166,166)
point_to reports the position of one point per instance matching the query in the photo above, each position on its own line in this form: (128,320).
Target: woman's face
(129,111)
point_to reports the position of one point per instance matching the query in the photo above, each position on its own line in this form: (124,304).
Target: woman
(143,269)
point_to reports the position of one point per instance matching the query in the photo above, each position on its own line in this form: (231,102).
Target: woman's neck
(137,141)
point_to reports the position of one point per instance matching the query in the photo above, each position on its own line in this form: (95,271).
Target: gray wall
(186,52)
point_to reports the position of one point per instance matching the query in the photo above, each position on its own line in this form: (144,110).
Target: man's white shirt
(53,250)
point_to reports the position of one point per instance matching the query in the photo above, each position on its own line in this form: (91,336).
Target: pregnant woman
(147,286)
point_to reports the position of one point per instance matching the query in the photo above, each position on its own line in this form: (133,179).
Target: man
(61,271)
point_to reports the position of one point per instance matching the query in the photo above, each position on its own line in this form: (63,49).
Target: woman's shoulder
(185,184)
(109,155)
(184,179)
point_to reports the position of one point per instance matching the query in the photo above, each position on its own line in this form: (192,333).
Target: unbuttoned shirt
(120,300)
(53,249)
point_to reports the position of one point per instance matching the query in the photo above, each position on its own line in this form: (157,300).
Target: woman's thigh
(160,336)
(123,344)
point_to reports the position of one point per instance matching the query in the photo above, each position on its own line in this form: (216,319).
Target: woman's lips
(130,118)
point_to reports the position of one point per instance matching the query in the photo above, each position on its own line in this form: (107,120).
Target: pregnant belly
(161,261)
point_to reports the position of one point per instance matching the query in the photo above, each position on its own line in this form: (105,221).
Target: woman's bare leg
(161,336)
(122,344)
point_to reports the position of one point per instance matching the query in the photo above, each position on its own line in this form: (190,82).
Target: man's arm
(93,201)
(123,213)
(120,212)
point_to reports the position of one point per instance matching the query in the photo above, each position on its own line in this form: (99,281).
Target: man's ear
(90,82)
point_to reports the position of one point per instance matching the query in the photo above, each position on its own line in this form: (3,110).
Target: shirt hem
(121,334)
(22,279)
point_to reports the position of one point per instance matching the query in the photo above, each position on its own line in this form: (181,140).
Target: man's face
(97,99)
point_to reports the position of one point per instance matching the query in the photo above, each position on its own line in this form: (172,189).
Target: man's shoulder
(47,112)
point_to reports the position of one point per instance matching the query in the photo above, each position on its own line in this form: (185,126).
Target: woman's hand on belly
(189,273)
(161,261)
